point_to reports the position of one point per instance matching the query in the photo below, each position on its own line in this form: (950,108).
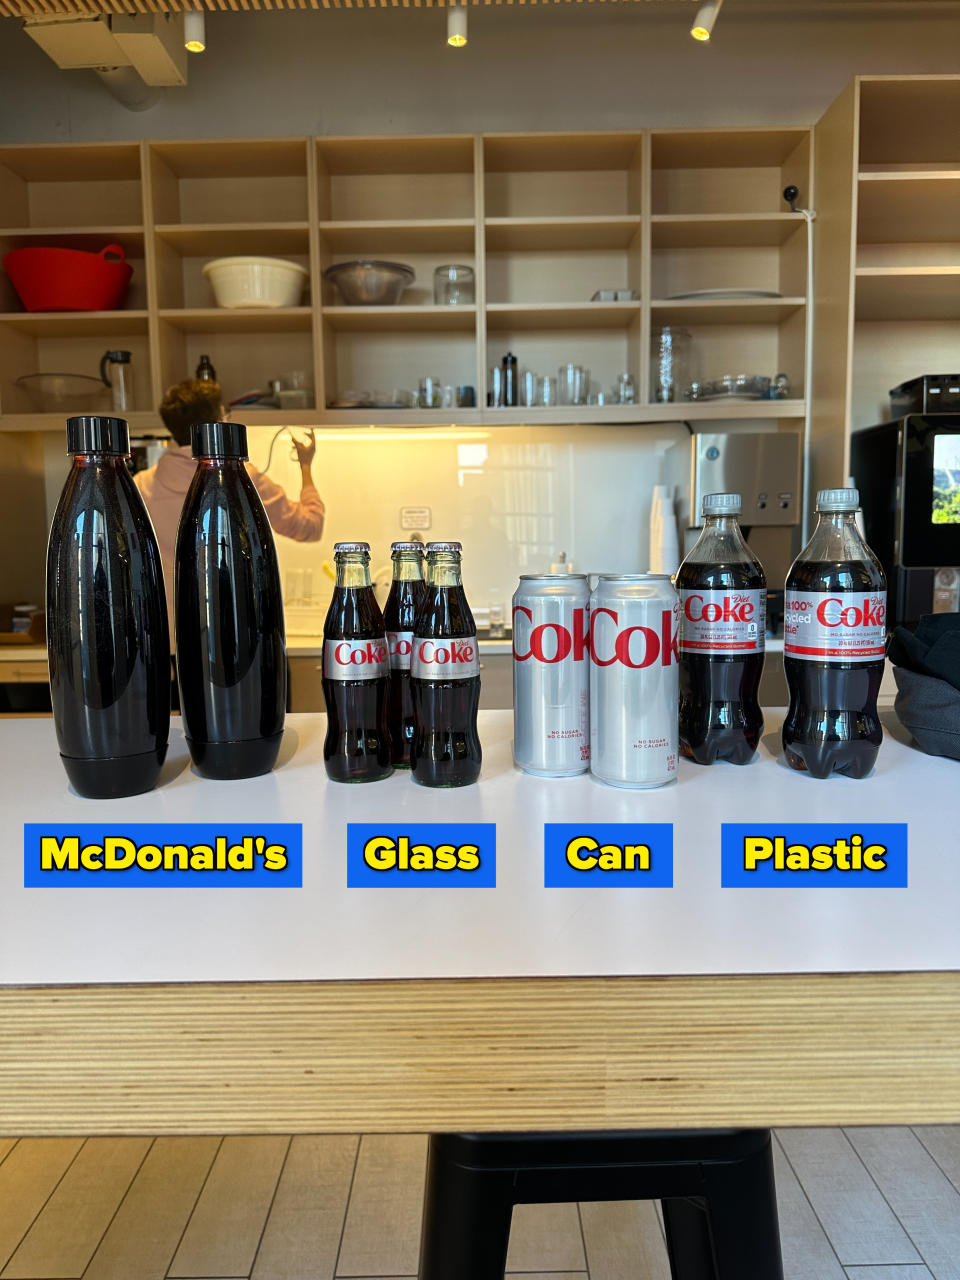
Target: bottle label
(722,621)
(445,658)
(845,625)
(400,646)
(355,659)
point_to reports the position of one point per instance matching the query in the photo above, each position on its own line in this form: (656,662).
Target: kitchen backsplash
(515,497)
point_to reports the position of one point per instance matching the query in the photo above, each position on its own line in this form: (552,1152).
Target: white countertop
(326,931)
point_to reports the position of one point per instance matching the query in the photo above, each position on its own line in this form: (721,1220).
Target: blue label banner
(166,855)
(457,855)
(608,855)
(868,855)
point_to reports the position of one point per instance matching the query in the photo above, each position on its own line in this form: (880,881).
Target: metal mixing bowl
(368,283)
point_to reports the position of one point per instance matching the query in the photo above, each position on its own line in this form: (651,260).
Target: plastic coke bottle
(723,598)
(399,615)
(356,676)
(107,638)
(445,677)
(834,635)
(228,613)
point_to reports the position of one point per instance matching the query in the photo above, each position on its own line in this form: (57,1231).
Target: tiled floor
(856,1204)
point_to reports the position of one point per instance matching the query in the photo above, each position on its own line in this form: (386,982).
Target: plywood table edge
(481,1054)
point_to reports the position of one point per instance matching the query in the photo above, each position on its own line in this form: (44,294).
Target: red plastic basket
(69,279)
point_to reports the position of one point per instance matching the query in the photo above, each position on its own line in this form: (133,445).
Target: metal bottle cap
(722,504)
(838,500)
(405,546)
(454,547)
(351,548)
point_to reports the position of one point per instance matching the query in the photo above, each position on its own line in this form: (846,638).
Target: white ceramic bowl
(256,282)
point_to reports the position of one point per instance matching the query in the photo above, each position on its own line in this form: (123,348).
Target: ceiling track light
(702,28)
(457,25)
(194,31)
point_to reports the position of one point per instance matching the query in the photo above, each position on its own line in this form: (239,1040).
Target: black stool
(717,1188)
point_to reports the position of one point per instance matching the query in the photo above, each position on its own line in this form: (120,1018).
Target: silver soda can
(551,674)
(634,664)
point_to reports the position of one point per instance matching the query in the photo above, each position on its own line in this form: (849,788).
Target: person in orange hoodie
(164,486)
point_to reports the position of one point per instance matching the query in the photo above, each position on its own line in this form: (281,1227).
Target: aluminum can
(551,674)
(634,666)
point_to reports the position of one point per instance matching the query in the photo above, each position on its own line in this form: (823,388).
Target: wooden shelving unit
(544,220)
(888,256)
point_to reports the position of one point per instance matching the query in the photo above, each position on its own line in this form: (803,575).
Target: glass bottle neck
(353,571)
(407,567)
(443,570)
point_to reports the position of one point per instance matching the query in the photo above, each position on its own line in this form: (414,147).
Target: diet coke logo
(353,660)
(550,641)
(400,644)
(637,646)
(832,612)
(371,652)
(730,609)
(446,652)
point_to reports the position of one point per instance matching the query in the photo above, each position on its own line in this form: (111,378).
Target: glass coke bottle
(356,677)
(108,641)
(445,677)
(399,615)
(228,613)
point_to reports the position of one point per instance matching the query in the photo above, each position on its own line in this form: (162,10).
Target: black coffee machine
(908,474)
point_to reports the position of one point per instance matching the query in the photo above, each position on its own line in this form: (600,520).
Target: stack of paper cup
(664,543)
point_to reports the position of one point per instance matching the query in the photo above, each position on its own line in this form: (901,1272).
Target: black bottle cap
(118,357)
(219,440)
(94,434)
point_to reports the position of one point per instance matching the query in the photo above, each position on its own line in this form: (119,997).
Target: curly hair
(190,401)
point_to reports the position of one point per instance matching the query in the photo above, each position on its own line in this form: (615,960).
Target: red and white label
(445,658)
(846,625)
(400,649)
(355,659)
(722,621)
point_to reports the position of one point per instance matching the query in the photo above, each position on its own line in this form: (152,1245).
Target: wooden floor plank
(143,1237)
(381,1235)
(943,1143)
(807,1253)
(545,1237)
(920,1194)
(858,1222)
(302,1235)
(908,1271)
(66,1233)
(28,1177)
(6,1146)
(224,1231)
(624,1238)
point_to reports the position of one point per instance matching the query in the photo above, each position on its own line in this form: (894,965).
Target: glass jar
(454,285)
(672,363)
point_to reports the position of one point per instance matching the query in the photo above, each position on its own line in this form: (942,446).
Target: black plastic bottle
(228,614)
(356,673)
(107,638)
(399,616)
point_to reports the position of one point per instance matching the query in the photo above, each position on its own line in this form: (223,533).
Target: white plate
(724,293)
